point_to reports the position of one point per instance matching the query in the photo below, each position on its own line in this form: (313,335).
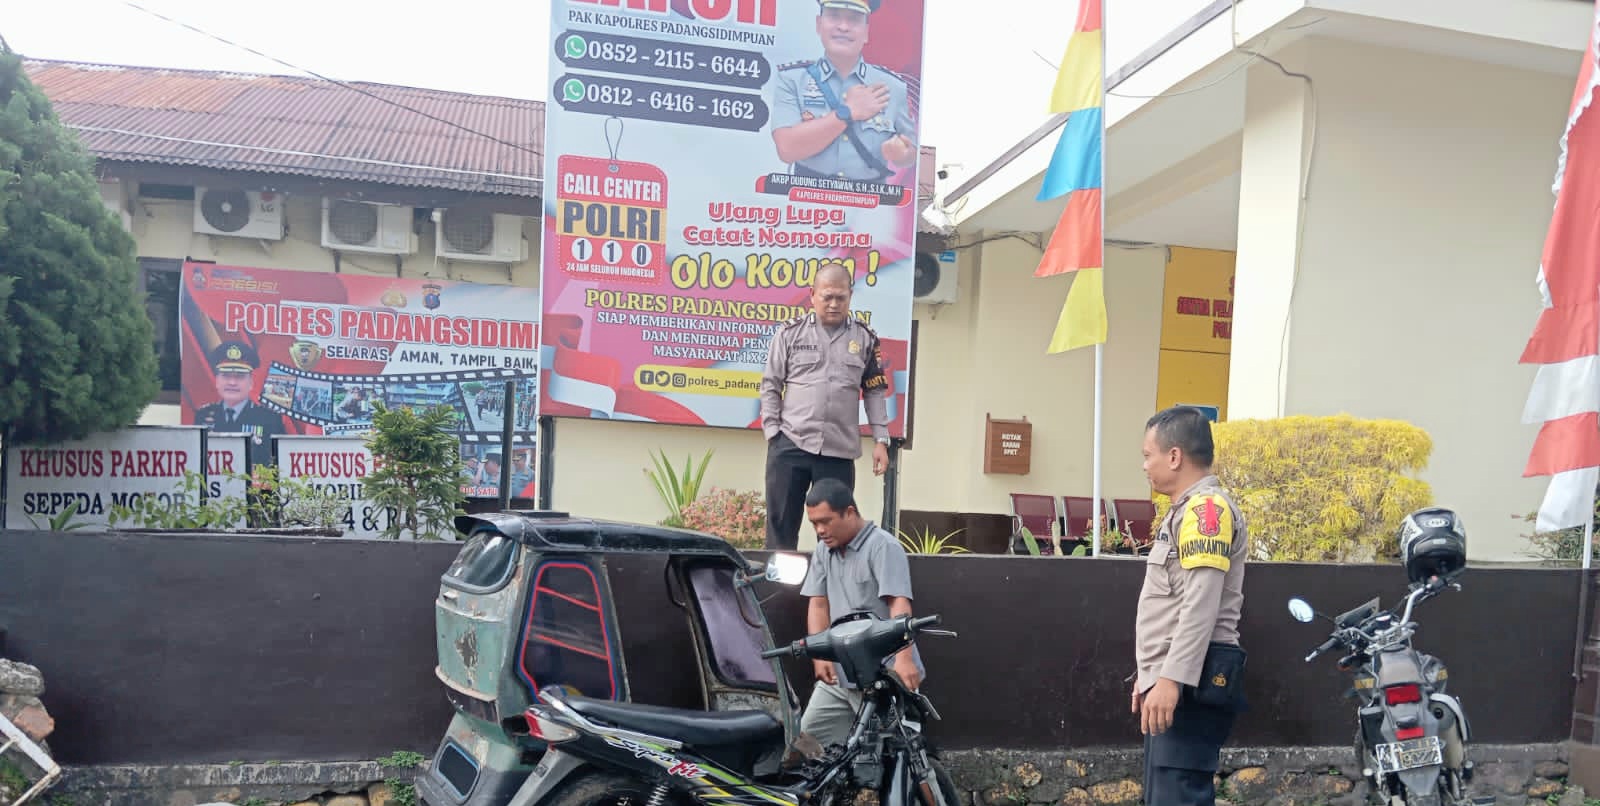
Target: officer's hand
(1138,701)
(1159,705)
(866,100)
(897,150)
(880,458)
(825,672)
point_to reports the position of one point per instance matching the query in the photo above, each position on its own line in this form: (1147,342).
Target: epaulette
(794,65)
(795,321)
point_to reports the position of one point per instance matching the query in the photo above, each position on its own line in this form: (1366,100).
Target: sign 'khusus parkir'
(703,159)
(99,473)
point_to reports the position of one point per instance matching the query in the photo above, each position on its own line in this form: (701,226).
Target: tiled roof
(299,126)
(314,128)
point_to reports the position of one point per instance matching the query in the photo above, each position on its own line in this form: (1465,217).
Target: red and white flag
(1566,341)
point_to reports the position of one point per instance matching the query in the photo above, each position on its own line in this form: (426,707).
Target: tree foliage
(1322,489)
(418,469)
(76,346)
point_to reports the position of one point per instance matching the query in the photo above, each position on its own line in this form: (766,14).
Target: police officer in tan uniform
(820,367)
(839,116)
(1188,686)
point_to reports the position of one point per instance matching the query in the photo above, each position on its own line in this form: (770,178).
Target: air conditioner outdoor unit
(936,282)
(360,226)
(467,234)
(239,213)
(115,201)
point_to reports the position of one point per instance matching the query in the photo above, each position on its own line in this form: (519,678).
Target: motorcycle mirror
(787,569)
(1301,610)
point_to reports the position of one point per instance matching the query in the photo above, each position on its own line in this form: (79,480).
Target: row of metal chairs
(1071,520)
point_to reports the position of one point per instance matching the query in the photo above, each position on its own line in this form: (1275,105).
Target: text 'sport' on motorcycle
(1411,736)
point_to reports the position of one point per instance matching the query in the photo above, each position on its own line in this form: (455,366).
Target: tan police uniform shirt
(1193,585)
(815,382)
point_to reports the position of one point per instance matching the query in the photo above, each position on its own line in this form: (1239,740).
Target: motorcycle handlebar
(1326,645)
(798,648)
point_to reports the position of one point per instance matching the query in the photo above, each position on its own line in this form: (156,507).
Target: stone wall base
(1301,776)
(1307,776)
(1585,760)
(339,783)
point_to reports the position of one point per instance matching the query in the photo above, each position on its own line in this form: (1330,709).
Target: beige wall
(986,354)
(600,468)
(1429,198)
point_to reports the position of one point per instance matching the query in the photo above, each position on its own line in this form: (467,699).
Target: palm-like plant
(677,491)
(925,542)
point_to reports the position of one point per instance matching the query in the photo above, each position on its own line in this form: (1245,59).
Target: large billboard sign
(269,352)
(703,158)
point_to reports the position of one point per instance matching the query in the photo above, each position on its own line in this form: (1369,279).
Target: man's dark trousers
(1180,764)
(790,472)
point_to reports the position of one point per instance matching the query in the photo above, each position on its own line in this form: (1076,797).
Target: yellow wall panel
(1197,301)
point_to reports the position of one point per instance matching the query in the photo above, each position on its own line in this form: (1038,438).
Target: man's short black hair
(833,492)
(845,276)
(1185,428)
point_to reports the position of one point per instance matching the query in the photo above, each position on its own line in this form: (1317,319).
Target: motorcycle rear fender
(554,768)
(1422,781)
(1460,714)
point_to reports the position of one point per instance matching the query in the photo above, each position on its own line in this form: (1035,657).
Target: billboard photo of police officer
(233,366)
(838,116)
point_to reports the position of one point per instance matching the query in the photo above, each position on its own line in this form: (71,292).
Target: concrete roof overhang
(1175,114)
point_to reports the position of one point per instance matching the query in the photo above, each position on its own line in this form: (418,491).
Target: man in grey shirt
(856,567)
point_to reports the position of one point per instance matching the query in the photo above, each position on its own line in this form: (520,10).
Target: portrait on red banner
(270,351)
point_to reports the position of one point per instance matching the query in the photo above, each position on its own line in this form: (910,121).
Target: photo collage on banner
(699,169)
(271,352)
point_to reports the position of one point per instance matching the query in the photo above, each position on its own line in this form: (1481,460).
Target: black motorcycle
(1411,739)
(653,755)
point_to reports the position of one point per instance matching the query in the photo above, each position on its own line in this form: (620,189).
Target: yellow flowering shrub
(1322,489)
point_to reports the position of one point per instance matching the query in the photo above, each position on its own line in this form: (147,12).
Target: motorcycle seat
(702,729)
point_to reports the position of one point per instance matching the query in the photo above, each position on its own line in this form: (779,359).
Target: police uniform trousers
(791,470)
(1180,765)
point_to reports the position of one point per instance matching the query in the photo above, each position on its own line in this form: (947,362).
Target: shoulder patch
(1205,534)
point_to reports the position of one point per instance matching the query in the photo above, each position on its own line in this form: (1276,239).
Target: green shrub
(1322,489)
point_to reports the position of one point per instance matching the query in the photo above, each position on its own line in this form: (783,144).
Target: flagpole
(1588,537)
(1100,346)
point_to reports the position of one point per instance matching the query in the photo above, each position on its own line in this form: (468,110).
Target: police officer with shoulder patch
(233,364)
(821,369)
(838,117)
(1188,687)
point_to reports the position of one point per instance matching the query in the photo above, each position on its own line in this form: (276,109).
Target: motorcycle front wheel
(945,789)
(602,788)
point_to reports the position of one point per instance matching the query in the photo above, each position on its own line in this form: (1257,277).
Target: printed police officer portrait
(233,365)
(838,116)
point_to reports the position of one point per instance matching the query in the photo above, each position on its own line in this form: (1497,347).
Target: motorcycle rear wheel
(604,788)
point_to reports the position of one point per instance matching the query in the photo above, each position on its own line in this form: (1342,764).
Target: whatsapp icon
(576,47)
(572,90)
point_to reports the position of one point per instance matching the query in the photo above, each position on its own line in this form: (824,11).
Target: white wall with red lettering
(99,473)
